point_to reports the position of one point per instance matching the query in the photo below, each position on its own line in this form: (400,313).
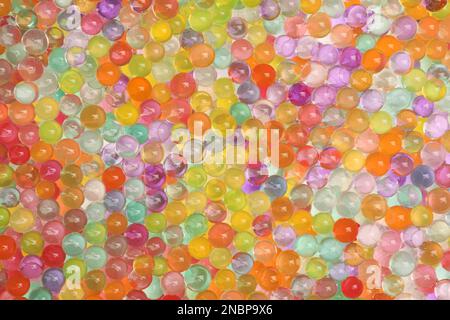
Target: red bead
(113,178)
(53,255)
(352,287)
(330,158)
(17,285)
(345,230)
(7,247)
(18,154)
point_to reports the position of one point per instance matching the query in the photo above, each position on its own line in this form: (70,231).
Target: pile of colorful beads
(105,191)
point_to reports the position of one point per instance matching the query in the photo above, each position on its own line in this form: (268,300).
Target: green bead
(71,81)
(6,175)
(16,53)
(139,131)
(235,200)
(135,212)
(331,249)
(95,233)
(409,196)
(98,46)
(316,268)
(323,223)
(222,59)
(95,257)
(57,60)
(154,291)
(75,268)
(50,131)
(155,222)
(240,112)
(73,244)
(197,278)
(111,130)
(365,42)
(4,217)
(140,66)
(306,245)
(196,224)
(40,293)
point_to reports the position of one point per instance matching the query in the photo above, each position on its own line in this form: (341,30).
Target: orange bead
(41,151)
(139,89)
(416,48)
(373,60)
(116,223)
(264,53)
(388,45)
(428,28)
(198,121)
(282,209)
(398,218)
(378,163)
(108,74)
(114,290)
(390,143)
(270,279)
(46,190)
(21,114)
(179,259)
(288,262)
(436,49)
(5,7)
(201,55)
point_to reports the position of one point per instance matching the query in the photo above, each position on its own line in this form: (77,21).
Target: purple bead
(127,146)
(387,186)
(350,58)
(285,46)
(154,176)
(326,54)
(53,279)
(284,236)
(422,106)
(299,94)
(248,92)
(121,85)
(110,156)
(372,100)
(257,174)
(175,165)
(404,28)
(436,125)
(355,16)
(402,164)
(133,167)
(113,30)
(159,131)
(31,266)
(269,9)
(114,201)
(136,235)
(324,96)
(338,76)
(413,237)
(339,271)
(156,200)
(109,9)
(317,177)
(400,62)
